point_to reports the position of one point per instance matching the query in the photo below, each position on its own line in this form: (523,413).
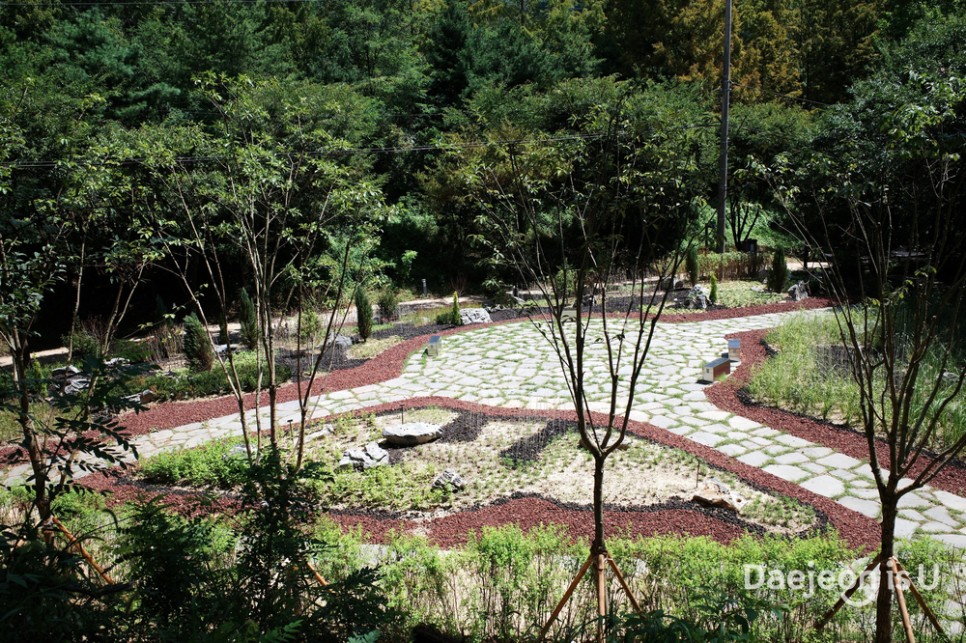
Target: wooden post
(901,599)
(922,601)
(73,542)
(566,597)
(601,595)
(822,622)
(624,585)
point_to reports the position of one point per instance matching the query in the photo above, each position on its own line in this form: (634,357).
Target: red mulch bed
(725,396)
(856,529)
(530,512)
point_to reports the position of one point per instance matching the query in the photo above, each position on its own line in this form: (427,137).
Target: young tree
(35,255)
(891,169)
(607,210)
(274,194)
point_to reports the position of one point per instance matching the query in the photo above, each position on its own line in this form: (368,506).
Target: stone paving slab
(513,366)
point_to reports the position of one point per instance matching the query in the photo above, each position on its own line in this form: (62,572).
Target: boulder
(409,435)
(714,493)
(371,455)
(798,292)
(144,397)
(76,385)
(61,375)
(117,362)
(474,316)
(450,481)
(337,349)
(696,299)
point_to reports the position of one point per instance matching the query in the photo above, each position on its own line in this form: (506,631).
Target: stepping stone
(792,441)
(913,500)
(941,514)
(815,468)
(824,486)
(842,474)
(868,508)
(839,461)
(906,528)
(952,501)
(733,450)
(791,458)
(707,439)
(818,452)
(775,449)
(787,472)
(755,458)
(743,424)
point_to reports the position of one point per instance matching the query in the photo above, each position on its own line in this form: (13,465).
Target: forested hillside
(117,116)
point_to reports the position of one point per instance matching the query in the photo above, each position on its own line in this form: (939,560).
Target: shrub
(211,464)
(197,347)
(779,272)
(455,312)
(363,314)
(714,290)
(691,265)
(310,327)
(248,319)
(388,305)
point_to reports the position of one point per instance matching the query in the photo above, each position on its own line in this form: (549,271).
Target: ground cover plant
(809,374)
(186,576)
(497,459)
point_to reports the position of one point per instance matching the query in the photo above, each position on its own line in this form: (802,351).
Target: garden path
(512,366)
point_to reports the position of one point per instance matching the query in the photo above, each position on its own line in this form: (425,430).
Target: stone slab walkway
(513,366)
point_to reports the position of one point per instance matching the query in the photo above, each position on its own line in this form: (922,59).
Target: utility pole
(725,105)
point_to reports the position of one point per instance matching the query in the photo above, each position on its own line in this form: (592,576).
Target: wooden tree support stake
(73,542)
(318,576)
(898,572)
(922,601)
(600,560)
(829,615)
(901,599)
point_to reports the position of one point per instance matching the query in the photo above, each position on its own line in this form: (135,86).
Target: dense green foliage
(363,313)
(197,345)
(247,320)
(778,274)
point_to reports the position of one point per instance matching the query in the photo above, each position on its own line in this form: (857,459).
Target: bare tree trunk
(598,544)
(21,359)
(883,605)
(77,300)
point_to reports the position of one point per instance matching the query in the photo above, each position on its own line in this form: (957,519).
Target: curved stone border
(727,396)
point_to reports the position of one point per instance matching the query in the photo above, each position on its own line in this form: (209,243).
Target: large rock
(336,349)
(714,493)
(474,316)
(371,455)
(450,481)
(409,435)
(144,397)
(798,292)
(65,373)
(696,299)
